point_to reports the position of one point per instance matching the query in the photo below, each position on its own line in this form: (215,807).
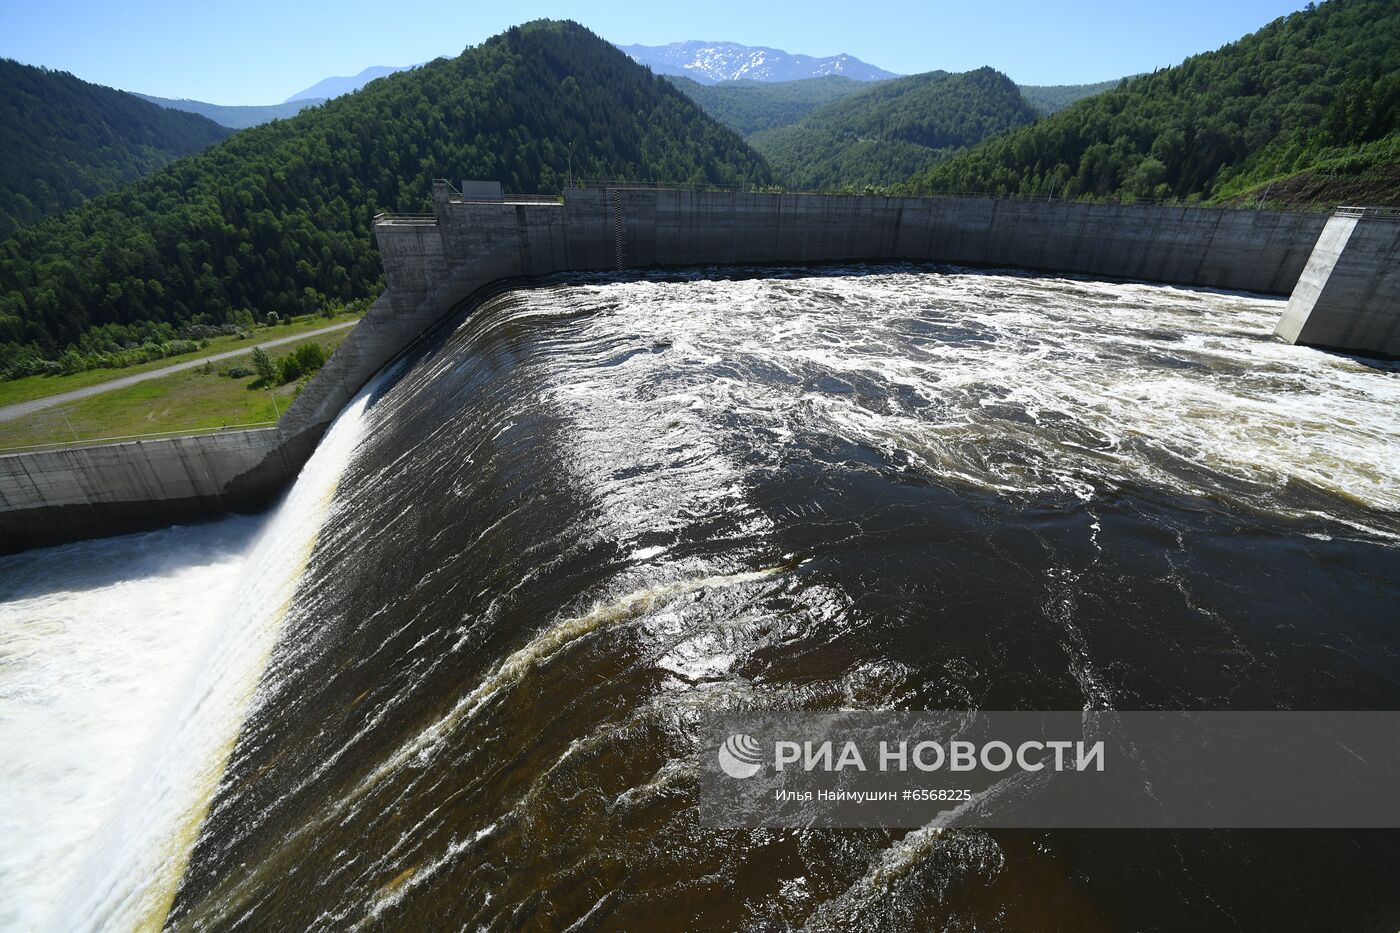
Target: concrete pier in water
(1349,295)
(436,263)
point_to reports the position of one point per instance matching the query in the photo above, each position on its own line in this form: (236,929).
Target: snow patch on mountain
(713,62)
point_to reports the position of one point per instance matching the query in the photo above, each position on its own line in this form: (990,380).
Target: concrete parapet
(1261,251)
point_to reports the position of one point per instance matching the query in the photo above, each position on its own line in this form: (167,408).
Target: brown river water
(458,683)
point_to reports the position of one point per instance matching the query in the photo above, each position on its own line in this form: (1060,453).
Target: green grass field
(22,390)
(190,401)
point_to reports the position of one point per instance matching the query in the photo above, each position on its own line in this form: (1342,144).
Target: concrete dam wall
(435,263)
(52,496)
(1349,295)
(1260,251)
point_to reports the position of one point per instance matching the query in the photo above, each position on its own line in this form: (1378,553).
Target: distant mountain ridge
(713,62)
(236,117)
(335,86)
(834,132)
(749,107)
(63,140)
(1052,98)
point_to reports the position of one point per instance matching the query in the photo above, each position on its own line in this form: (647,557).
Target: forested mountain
(1052,98)
(712,62)
(236,117)
(63,140)
(749,107)
(893,129)
(1307,108)
(277,218)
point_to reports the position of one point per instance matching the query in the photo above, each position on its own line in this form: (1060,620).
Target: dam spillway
(436,263)
(590,510)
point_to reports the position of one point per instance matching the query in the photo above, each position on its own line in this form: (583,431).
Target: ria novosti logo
(740,756)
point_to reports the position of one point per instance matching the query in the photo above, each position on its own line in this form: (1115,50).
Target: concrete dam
(1342,273)
(449,679)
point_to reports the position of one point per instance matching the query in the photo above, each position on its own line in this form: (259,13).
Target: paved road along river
(20,409)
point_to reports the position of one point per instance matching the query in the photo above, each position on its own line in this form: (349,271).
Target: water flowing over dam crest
(544,521)
(459,688)
(1349,298)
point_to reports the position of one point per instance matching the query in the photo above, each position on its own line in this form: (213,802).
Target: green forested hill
(63,140)
(1052,98)
(277,217)
(751,106)
(1308,105)
(890,130)
(881,136)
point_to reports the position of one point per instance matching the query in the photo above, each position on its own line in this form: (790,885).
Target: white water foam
(136,860)
(96,639)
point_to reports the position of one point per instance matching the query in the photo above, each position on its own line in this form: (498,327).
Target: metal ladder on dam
(617,230)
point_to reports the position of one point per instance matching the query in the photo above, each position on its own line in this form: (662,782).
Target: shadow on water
(1381,363)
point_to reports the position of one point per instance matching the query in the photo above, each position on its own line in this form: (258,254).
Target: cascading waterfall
(96,639)
(140,854)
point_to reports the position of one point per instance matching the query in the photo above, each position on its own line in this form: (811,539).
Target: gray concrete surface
(1349,295)
(20,409)
(52,496)
(1261,251)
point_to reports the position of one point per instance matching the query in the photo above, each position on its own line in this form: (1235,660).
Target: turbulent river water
(458,685)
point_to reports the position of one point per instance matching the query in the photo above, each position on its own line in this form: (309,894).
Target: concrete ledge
(52,496)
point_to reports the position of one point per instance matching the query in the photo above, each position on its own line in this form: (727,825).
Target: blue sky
(260,51)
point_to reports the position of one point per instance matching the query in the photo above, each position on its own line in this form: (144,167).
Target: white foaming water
(135,860)
(1089,383)
(95,640)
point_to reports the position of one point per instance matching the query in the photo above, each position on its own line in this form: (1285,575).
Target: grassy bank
(1364,175)
(193,400)
(31,387)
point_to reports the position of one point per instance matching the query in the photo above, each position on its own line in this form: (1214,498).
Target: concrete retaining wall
(1260,251)
(433,264)
(47,497)
(1349,294)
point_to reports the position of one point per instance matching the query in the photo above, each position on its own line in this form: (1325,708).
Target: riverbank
(193,398)
(14,393)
